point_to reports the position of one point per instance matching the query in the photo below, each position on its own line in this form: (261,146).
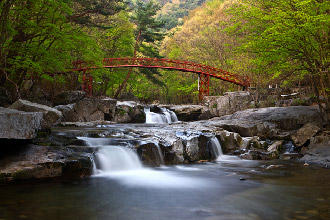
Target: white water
(122,164)
(161,157)
(217,150)
(166,116)
(112,158)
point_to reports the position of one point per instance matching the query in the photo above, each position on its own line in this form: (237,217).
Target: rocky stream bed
(57,151)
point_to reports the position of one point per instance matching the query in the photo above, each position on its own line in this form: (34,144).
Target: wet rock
(271,123)
(318,151)
(177,148)
(305,133)
(33,162)
(89,109)
(68,97)
(129,112)
(18,124)
(191,112)
(276,146)
(230,141)
(229,103)
(68,112)
(286,118)
(151,154)
(273,167)
(51,116)
(260,155)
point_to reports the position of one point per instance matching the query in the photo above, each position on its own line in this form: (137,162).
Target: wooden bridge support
(87,83)
(203,86)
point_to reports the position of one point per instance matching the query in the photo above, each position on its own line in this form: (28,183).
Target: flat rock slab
(51,116)
(16,124)
(32,162)
(286,118)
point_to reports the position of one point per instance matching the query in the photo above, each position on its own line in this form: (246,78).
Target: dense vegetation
(273,42)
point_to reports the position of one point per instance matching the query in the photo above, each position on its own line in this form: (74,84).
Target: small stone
(306,164)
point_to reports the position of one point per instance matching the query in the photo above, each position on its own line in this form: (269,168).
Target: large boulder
(318,151)
(286,118)
(51,116)
(229,103)
(151,154)
(305,133)
(230,141)
(68,112)
(89,109)
(191,112)
(129,112)
(18,124)
(33,162)
(68,97)
(272,122)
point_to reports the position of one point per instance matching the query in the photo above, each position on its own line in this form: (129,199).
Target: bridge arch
(204,72)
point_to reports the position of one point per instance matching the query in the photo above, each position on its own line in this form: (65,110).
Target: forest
(282,42)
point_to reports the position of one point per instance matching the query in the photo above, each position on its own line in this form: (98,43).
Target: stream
(123,188)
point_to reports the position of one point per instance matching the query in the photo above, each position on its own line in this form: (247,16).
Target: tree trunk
(130,69)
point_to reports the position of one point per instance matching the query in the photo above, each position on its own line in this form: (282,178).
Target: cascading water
(166,116)
(112,158)
(161,157)
(215,147)
(122,163)
(217,151)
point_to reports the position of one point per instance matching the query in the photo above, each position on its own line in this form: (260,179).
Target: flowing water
(122,188)
(165,116)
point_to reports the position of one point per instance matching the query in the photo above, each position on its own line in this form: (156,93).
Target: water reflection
(200,191)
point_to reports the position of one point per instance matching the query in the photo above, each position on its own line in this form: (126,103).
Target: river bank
(288,133)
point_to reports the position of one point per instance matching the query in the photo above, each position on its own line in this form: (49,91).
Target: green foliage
(288,38)
(173,12)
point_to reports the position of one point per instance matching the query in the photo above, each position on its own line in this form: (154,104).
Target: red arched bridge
(204,72)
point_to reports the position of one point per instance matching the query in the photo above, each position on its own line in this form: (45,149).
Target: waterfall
(215,147)
(166,116)
(217,151)
(161,157)
(111,158)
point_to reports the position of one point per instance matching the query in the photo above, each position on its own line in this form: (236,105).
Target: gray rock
(129,112)
(51,116)
(230,141)
(191,112)
(229,103)
(33,162)
(272,122)
(89,109)
(68,112)
(305,133)
(18,124)
(151,154)
(68,97)
(318,151)
(276,146)
(286,118)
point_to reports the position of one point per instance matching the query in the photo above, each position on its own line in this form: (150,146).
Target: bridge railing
(165,64)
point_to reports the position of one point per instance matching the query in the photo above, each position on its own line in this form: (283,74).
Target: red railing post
(204,86)
(87,84)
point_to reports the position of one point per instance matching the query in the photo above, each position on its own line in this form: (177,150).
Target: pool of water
(228,189)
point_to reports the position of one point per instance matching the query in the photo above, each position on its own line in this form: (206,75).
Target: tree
(42,37)
(288,38)
(202,39)
(147,31)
